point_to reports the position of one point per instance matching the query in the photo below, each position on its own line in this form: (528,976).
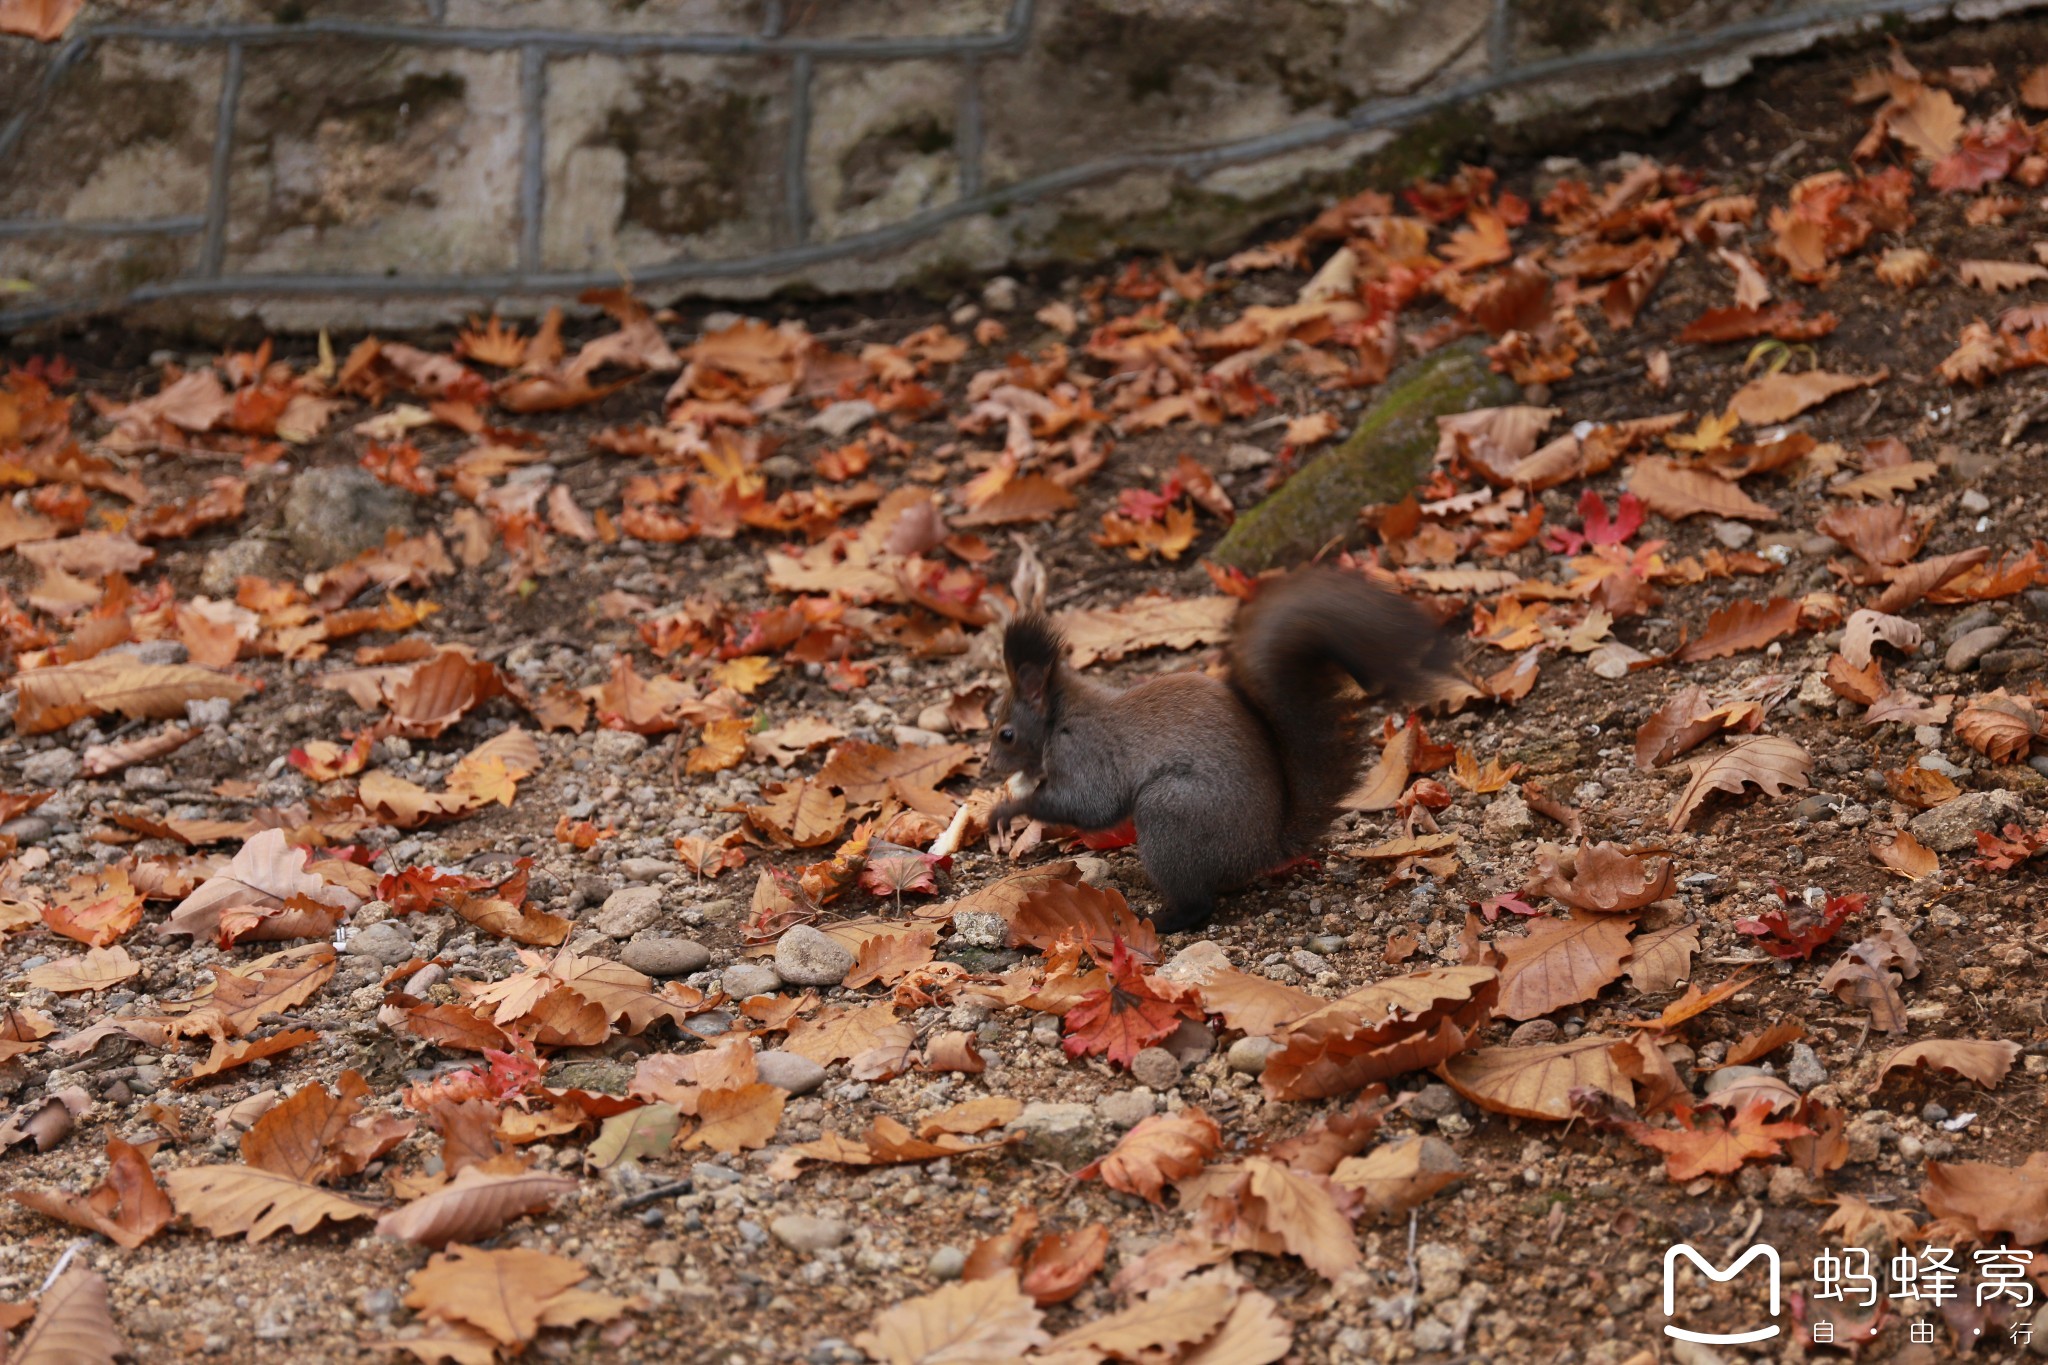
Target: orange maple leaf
(1134,1011)
(1718,1149)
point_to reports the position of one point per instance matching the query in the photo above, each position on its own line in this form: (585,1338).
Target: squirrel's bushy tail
(1288,656)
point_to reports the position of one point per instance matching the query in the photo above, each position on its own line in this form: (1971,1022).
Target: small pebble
(790,1071)
(1157,1068)
(809,957)
(665,956)
(946,1263)
(744,980)
(1248,1055)
(808,1233)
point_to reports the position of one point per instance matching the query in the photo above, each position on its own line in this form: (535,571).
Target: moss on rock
(1384,459)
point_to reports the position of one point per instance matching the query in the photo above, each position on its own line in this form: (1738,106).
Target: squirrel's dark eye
(1008,734)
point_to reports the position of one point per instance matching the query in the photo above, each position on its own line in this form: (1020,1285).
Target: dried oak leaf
(973,1322)
(474,1205)
(1400,1175)
(228,1054)
(1537,1082)
(737,1118)
(1782,396)
(1661,958)
(1866,627)
(317,1136)
(1062,1262)
(1160,1150)
(864,771)
(127,1206)
(1159,1326)
(1253,1004)
(54,697)
(1772,762)
(265,874)
(1741,626)
(1605,877)
(231,1201)
(96,969)
(1984,1061)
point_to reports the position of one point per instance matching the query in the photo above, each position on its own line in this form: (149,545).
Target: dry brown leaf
(1907,856)
(1604,877)
(1561,962)
(1866,627)
(474,1205)
(232,1201)
(1979,1060)
(1400,1175)
(1150,622)
(1771,762)
(267,873)
(737,1119)
(1160,1150)
(1659,959)
(1537,1082)
(94,970)
(1995,277)
(972,1322)
(1676,491)
(54,697)
(315,1136)
(509,1293)
(1990,1197)
(73,1324)
(1914,581)
(2002,728)
(127,1207)
(1782,396)
(977,1115)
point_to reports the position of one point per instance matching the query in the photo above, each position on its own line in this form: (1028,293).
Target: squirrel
(1225,779)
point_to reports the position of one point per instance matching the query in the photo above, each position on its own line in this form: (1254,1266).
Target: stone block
(1543,29)
(90,269)
(883,143)
(671,18)
(655,158)
(894,18)
(283,13)
(126,133)
(360,158)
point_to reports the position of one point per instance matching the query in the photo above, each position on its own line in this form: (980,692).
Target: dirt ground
(1549,1249)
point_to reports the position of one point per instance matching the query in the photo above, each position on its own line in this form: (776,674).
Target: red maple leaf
(1122,836)
(1600,530)
(415,890)
(1135,1011)
(1995,854)
(1795,930)
(1983,156)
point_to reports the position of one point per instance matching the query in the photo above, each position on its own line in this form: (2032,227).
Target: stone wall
(396,162)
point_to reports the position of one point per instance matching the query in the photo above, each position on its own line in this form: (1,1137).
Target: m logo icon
(1706,1268)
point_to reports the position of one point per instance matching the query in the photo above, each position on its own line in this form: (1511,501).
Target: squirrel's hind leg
(1187,859)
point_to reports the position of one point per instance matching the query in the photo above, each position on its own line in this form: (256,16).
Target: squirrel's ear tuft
(1032,649)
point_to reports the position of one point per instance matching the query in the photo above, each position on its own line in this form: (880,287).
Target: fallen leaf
(1400,1175)
(232,1201)
(473,1206)
(1771,762)
(1784,395)
(1561,962)
(128,1207)
(1537,1082)
(1990,1197)
(972,1322)
(1985,1062)
(1160,1150)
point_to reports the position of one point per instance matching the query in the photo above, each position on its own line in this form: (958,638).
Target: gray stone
(1954,824)
(665,956)
(154,651)
(28,829)
(1963,655)
(1976,618)
(2000,662)
(1441,1268)
(1157,1068)
(1127,1108)
(1507,817)
(808,1233)
(1733,534)
(1070,1134)
(335,512)
(627,911)
(388,940)
(1094,871)
(790,1071)
(1432,1102)
(946,1263)
(709,1175)
(1534,1033)
(744,980)
(1389,453)
(808,957)
(1191,1042)
(617,746)
(249,557)
(209,711)
(51,768)
(1819,806)
(1249,1054)
(837,419)
(600,1074)
(1804,1071)
(647,869)
(981,929)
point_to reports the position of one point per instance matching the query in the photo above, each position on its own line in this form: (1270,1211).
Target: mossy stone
(1382,462)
